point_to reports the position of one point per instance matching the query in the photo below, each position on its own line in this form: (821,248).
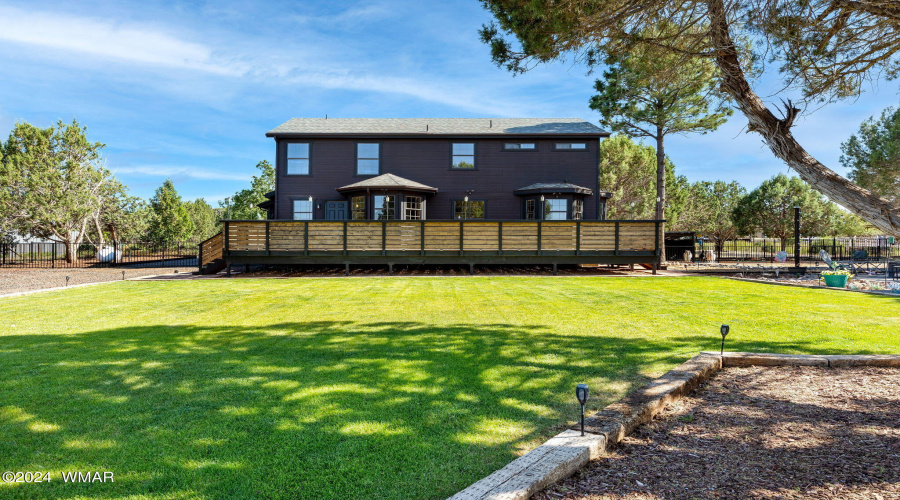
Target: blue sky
(187,90)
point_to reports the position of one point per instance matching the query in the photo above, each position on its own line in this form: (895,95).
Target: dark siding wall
(498,173)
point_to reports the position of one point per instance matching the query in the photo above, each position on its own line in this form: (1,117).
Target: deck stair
(212,255)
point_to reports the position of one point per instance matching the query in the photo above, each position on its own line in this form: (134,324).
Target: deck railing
(441,237)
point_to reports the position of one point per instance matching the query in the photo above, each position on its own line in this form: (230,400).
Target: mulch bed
(760,432)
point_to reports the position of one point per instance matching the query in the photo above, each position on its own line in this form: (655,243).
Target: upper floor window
(471,209)
(519,146)
(367,158)
(571,146)
(298,158)
(463,155)
(303,209)
(555,209)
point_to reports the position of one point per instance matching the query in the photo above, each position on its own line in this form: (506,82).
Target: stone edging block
(556,459)
(566,452)
(824,360)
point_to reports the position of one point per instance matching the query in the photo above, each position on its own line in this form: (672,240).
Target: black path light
(67,281)
(724,330)
(582,392)
(123,275)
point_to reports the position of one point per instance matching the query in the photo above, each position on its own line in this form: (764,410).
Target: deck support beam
(346,269)
(555,271)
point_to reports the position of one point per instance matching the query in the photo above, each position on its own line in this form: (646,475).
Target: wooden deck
(441,242)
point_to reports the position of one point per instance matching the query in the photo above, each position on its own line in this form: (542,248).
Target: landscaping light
(123,275)
(67,281)
(582,392)
(724,329)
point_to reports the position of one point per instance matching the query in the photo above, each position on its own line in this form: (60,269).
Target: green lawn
(359,388)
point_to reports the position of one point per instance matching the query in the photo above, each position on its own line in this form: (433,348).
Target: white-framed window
(413,208)
(463,155)
(384,207)
(298,158)
(368,158)
(571,146)
(577,209)
(555,209)
(519,146)
(303,209)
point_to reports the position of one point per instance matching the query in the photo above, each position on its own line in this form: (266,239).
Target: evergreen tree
(53,184)
(873,155)
(769,209)
(709,210)
(243,204)
(204,218)
(170,221)
(625,167)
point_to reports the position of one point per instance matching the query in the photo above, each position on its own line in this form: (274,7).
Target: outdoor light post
(724,329)
(581,392)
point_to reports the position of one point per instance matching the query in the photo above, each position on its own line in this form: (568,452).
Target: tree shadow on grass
(300,410)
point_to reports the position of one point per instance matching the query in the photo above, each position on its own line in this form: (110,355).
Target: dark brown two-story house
(424,168)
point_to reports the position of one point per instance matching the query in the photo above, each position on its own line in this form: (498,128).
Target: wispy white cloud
(111,40)
(181,172)
(155,48)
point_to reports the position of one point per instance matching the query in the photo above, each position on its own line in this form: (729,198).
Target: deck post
(422,237)
(578,238)
(500,238)
(346,269)
(616,251)
(555,271)
(657,250)
(306,238)
(228,270)
(471,268)
(540,243)
(461,232)
(655,265)
(267,239)
(390,268)
(384,239)
(227,225)
(345,237)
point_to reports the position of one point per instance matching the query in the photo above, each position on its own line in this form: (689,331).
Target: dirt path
(786,432)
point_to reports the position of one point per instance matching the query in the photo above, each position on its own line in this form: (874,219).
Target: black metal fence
(55,255)
(766,249)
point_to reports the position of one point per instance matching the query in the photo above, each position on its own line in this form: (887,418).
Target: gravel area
(24,279)
(778,432)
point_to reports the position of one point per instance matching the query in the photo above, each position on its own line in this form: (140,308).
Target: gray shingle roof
(436,126)
(550,187)
(388,181)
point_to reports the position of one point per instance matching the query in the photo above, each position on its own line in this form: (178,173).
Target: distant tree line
(718,210)
(54,185)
